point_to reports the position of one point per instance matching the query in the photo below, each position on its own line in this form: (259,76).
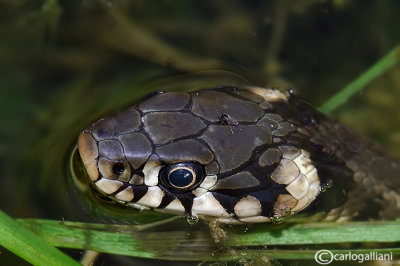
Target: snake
(238,155)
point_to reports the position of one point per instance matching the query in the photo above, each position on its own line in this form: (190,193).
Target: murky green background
(64,64)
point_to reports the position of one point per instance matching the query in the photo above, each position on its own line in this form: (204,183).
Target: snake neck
(372,188)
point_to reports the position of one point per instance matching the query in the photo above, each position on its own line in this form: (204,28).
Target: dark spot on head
(100,132)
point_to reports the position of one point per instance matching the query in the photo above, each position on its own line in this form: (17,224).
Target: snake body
(239,155)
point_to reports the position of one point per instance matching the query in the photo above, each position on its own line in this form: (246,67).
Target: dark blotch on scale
(139,191)
(102,129)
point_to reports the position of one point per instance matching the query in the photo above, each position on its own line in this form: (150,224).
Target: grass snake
(238,155)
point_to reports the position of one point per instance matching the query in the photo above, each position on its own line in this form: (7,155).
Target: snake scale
(238,155)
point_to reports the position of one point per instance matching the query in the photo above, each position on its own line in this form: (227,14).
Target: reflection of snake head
(172,152)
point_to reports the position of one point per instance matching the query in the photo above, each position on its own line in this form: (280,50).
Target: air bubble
(192,219)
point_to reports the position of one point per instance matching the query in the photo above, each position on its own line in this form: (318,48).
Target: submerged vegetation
(65,63)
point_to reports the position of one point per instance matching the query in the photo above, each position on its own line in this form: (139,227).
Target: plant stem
(368,76)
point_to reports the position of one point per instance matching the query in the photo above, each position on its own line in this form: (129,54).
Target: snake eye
(182,176)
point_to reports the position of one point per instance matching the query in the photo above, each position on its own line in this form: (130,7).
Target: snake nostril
(118,168)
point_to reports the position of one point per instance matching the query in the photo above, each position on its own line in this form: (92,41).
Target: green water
(64,64)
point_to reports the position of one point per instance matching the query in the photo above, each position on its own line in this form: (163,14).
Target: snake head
(173,153)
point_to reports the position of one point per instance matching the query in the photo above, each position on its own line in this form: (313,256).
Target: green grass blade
(322,233)
(374,71)
(22,242)
(197,245)
(115,239)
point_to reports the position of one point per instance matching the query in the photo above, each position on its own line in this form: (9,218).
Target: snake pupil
(181,177)
(118,168)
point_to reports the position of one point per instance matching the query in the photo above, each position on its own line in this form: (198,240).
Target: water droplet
(326,186)
(288,211)
(192,219)
(278,219)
